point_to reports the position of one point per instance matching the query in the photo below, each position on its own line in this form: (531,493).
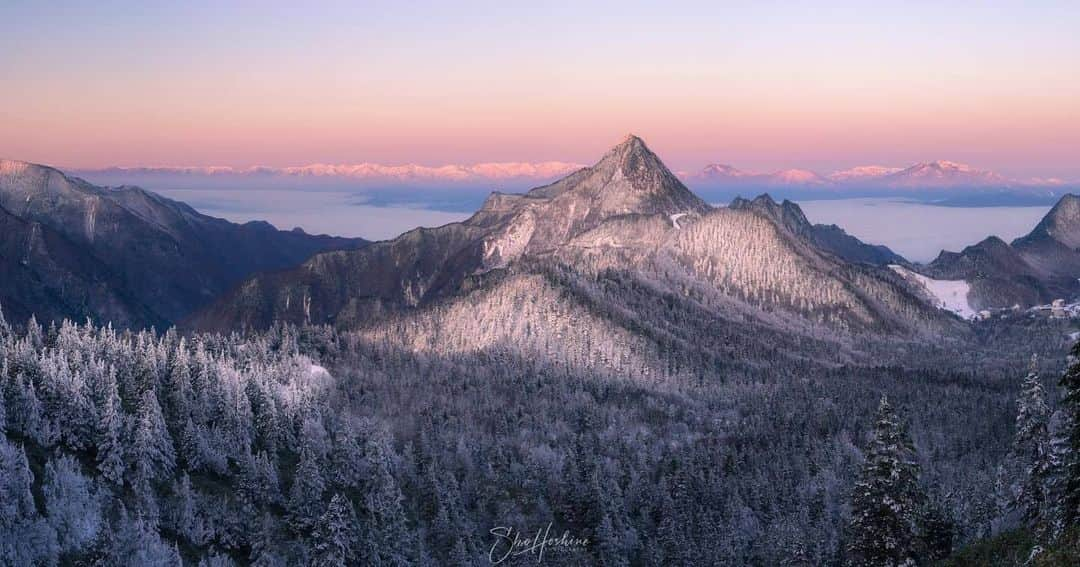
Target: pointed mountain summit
(1061,224)
(627,217)
(630,178)
(1053,247)
(424,265)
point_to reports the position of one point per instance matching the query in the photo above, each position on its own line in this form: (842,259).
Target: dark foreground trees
(892,521)
(1070,441)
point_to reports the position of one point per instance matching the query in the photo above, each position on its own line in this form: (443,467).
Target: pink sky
(761,88)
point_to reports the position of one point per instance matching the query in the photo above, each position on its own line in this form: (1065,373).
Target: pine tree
(335,537)
(110,448)
(152,448)
(25,538)
(177,389)
(609,551)
(72,506)
(306,493)
(3,378)
(384,517)
(885,504)
(263,545)
(1031,450)
(936,532)
(5,327)
(1070,405)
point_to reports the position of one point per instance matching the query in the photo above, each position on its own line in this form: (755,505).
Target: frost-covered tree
(25,538)
(386,530)
(152,453)
(1031,452)
(334,539)
(110,430)
(72,506)
(306,493)
(1070,406)
(661,448)
(886,500)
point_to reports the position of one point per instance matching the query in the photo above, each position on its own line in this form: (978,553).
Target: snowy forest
(307,446)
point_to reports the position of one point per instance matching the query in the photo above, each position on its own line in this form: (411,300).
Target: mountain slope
(828,237)
(162,259)
(1037,268)
(628,213)
(47,275)
(348,288)
(998,275)
(1051,248)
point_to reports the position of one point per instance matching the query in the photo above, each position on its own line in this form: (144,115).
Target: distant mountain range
(125,255)
(511,174)
(927,175)
(134,258)
(934,174)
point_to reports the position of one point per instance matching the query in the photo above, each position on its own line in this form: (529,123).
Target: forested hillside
(306,446)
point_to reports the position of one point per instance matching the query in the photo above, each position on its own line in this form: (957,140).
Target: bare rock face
(126,255)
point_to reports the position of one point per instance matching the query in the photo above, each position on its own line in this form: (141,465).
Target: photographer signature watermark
(510,543)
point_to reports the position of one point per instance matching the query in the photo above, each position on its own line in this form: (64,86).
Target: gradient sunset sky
(760,85)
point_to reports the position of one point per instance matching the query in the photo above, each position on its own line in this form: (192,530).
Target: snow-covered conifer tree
(885,504)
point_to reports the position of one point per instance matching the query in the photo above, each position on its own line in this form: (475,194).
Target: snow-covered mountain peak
(721,170)
(862,173)
(798,177)
(942,173)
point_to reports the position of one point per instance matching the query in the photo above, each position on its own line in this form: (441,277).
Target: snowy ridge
(451,172)
(950,295)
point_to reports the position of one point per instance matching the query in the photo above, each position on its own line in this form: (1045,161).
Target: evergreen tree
(335,537)
(609,552)
(3,378)
(306,493)
(1031,451)
(264,544)
(152,450)
(72,507)
(936,532)
(387,529)
(25,538)
(177,389)
(885,504)
(1070,405)
(110,427)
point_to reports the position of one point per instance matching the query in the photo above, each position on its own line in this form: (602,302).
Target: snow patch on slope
(950,295)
